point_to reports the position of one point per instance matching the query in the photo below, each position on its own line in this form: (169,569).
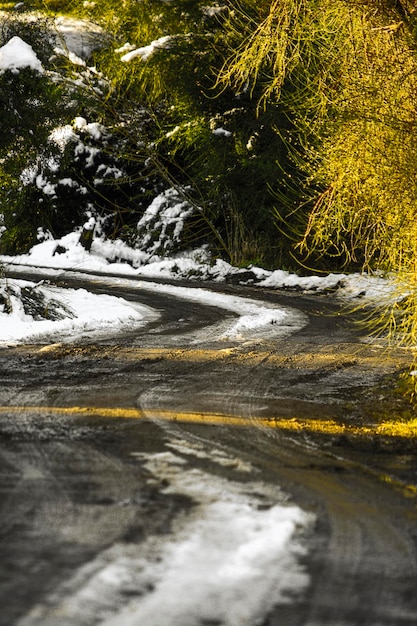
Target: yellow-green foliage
(345,75)
(365,163)
(283,42)
(365,168)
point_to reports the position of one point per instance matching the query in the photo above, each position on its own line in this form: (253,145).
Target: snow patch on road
(230,559)
(254,318)
(214,454)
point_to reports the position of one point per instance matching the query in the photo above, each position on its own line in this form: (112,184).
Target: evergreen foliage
(55,175)
(207,139)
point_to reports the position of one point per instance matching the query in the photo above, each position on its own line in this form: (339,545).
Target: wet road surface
(299,411)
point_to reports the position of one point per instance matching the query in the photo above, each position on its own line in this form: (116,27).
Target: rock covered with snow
(73,38)
(16,54)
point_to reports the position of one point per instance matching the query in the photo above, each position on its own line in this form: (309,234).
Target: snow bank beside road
(116,257)
(76,313)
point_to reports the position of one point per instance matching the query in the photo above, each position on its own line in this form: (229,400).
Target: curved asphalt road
(299,409)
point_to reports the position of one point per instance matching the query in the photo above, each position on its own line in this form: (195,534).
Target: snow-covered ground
(68,313)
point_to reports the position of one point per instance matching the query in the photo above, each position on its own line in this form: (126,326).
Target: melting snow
(230,559)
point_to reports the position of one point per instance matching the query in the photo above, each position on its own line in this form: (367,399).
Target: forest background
(288,129)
